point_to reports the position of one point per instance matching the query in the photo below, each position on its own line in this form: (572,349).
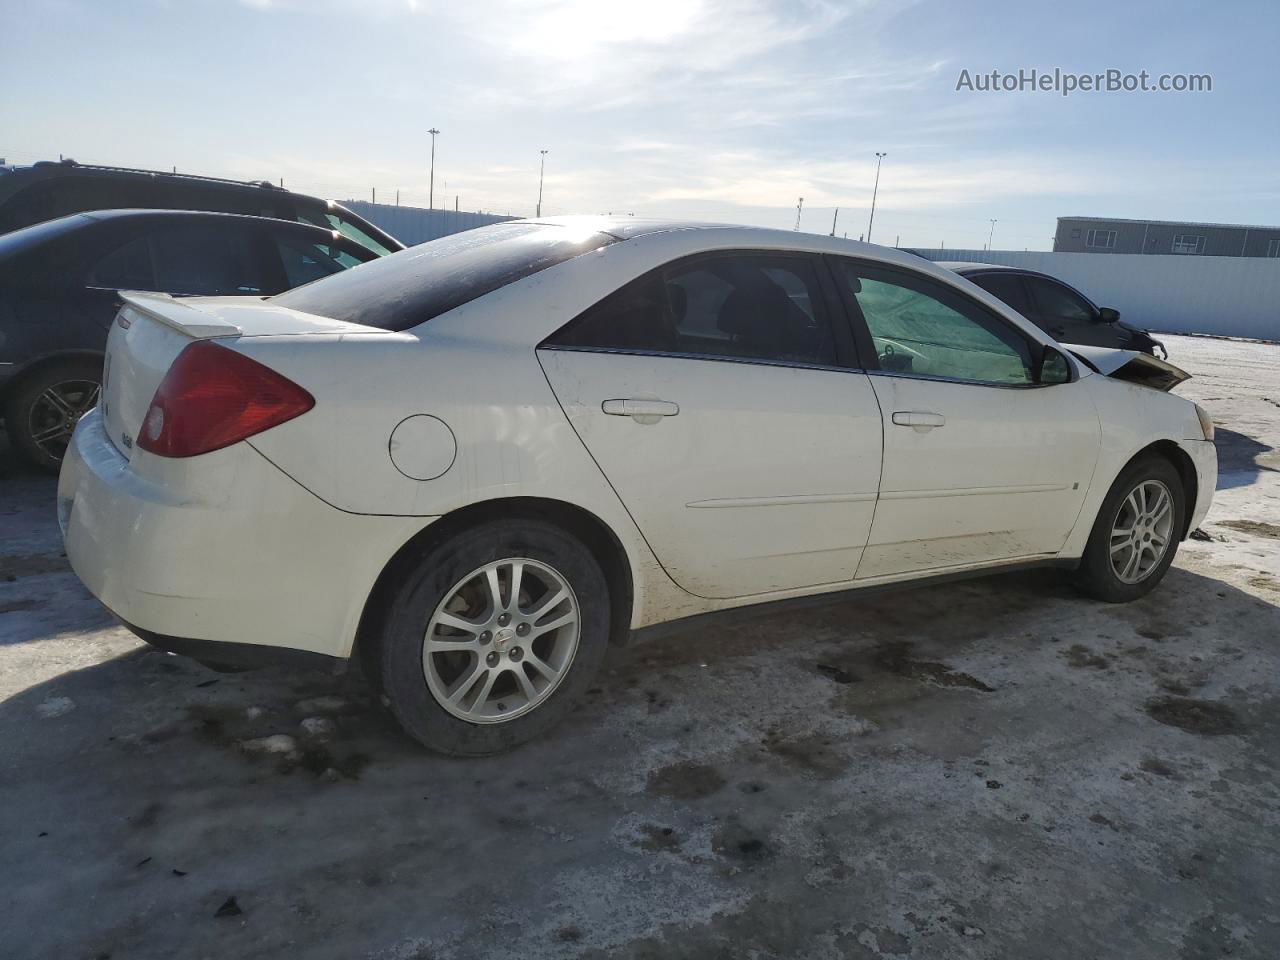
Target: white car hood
(1132,365)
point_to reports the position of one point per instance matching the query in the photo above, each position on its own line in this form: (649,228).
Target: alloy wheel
(501,640)
(1141,531)
(54,414)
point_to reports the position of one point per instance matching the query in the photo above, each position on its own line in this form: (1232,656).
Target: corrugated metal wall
(412,225)
(1228,296)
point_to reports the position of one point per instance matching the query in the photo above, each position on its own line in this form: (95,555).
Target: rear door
(725,407)
(981,462)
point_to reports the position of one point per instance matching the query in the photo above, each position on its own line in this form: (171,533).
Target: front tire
(1136,533)
(491,636)
(45,406)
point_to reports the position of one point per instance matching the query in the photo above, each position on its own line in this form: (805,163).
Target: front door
(723,406)
(982,463)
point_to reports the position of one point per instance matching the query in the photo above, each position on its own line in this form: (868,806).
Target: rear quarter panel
(512,439)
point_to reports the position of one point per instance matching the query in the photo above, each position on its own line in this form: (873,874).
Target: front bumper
(223,548)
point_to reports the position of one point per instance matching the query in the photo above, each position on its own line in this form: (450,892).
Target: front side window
(738,306)
(199,259)
(919,327)
(1060,308)
(1007,288)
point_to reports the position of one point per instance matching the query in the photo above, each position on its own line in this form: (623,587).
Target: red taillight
(213,397)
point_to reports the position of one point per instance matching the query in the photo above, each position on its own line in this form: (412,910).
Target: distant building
(1108,235)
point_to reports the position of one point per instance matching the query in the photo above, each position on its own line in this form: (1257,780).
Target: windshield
(348,228)
(414,285)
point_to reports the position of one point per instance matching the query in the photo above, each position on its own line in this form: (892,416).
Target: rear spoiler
(177,315)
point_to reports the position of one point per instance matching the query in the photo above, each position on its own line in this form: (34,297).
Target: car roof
(38,234)
(627,228)
(972,266)
(49,169)
(143,213)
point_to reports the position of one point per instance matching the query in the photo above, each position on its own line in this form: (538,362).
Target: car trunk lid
(151,329)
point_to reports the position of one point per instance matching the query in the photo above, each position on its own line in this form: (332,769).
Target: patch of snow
(327,704)
(55,707)
(318,726)
(276,743)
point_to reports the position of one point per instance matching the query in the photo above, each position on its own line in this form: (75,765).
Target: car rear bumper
(218,549)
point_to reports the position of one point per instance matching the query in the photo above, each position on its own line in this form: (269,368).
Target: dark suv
(59,291)
(47,190)
(1059,310)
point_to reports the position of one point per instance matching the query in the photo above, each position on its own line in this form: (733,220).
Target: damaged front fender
(1132,366)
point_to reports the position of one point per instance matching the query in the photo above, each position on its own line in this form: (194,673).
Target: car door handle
(642,411)
(921,421)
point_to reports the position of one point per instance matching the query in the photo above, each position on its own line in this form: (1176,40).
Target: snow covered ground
(996,768)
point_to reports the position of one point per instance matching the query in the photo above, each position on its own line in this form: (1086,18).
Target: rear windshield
(414,285)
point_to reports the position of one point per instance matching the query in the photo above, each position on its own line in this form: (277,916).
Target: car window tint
(1008,289)
(208,260)
(127,267)
(1057,303)
(747,307)
(920,327)
(304,261)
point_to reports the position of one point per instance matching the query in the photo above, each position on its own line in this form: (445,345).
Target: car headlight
(1206,421)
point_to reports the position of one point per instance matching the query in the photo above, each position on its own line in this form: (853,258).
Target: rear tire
(1135,536)
(468,672)
(44,407)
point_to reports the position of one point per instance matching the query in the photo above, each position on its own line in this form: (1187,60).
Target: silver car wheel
(501,640)
(1141,531)
(55,413)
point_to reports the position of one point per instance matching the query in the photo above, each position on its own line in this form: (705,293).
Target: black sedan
(59,285)
(1059,310)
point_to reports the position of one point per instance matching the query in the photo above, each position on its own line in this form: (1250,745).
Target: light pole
(431,195)
(874,191)
(991,234)
(542,169)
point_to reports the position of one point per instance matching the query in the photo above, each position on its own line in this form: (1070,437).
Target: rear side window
(127,267)
(415,285)
(732,306)
(207,260)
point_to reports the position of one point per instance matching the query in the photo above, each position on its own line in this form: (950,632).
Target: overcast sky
(687,108)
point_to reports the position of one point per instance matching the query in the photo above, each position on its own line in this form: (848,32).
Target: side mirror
(1053,368)
(1108,315)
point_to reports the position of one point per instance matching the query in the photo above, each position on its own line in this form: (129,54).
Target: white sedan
(476,463)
